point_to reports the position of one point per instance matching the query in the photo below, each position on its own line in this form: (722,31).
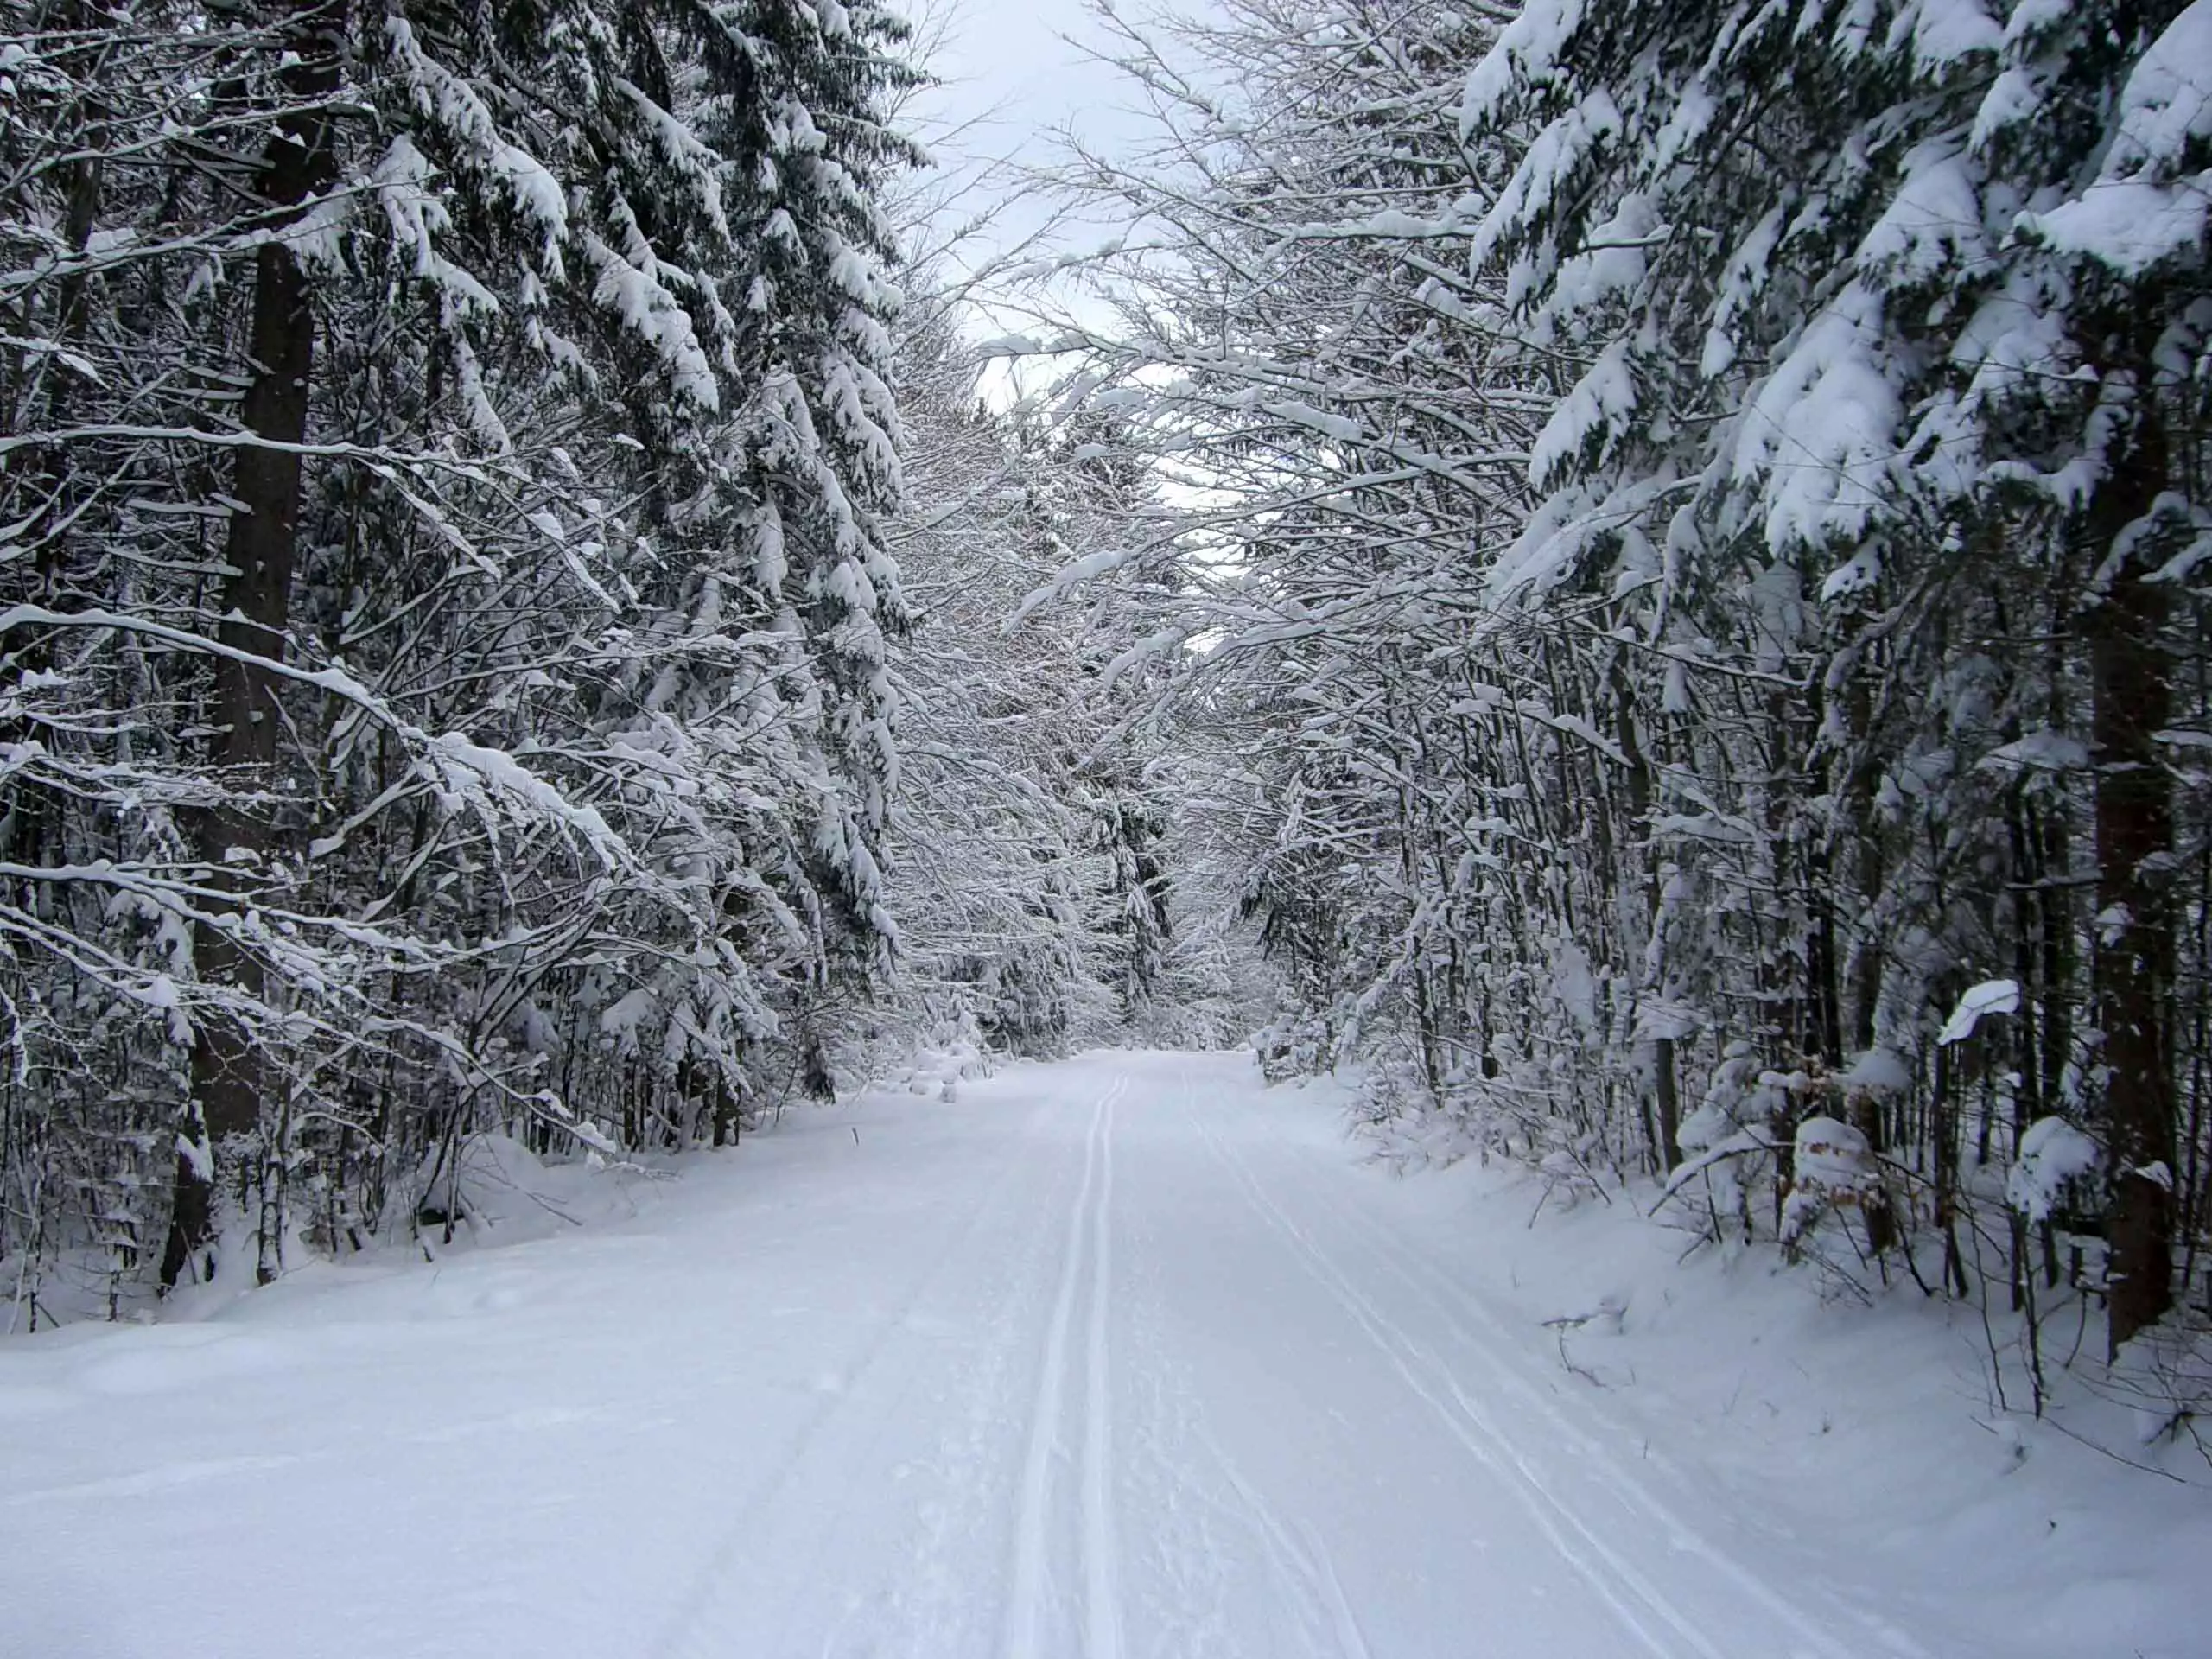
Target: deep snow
(1123,1357)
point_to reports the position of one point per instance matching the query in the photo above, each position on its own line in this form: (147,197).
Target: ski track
(1035,1522)
(688,1629)
(1644,1608)
(1388,1343)
(1102,1561)
(1297,1556)
(1098,1362)
(1454,1306)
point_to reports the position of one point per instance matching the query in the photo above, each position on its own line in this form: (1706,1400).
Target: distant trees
(1025,840)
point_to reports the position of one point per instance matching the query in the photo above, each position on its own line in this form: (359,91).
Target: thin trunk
(227,1083)
(1665,1098)
(1868,876)
(1943,1134)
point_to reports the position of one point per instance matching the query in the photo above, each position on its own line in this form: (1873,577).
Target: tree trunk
(1869,875)
(2131,680)
(1665,1099)
(226,1071)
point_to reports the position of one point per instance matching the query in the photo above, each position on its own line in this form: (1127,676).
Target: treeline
(454,640)
(1701,512)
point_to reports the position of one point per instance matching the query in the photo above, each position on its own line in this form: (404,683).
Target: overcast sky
(1011,79)
(1007,59)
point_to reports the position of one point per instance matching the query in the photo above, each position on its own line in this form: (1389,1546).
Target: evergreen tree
(1927,356)
(477,649)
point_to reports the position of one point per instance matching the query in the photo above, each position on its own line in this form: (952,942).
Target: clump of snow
(2144,208)
(1832,1155)
(2053,1155)
(1821,432)
(622,1018)
(1991,996)
(1835,1169)
(2042,751)
(1600,406)
(1526,53)
(1879,1071)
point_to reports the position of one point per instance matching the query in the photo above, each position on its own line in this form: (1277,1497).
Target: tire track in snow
(1644,1608)
(1025,1608)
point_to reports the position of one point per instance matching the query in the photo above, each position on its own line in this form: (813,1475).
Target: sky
(1019,65)
(1013,74)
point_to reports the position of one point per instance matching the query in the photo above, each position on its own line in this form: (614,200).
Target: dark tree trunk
(1869,876)
(1666,1100)
(816,1078)
(298,162)
(1943,1131)
(2131,680)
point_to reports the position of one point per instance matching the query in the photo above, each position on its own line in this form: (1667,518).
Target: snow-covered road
(1124,1357)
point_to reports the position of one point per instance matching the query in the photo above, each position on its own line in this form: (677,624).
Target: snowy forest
(1635,576)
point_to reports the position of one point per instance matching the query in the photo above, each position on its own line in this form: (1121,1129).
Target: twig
(2147,1468)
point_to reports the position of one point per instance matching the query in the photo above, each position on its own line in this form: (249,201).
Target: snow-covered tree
(1025,864)
(1911,413)
(460,568)
(1700,521)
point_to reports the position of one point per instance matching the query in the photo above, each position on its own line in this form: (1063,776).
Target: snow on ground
(1125,1357)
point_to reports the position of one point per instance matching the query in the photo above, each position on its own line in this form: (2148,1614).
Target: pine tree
(475,648)
(1928,354)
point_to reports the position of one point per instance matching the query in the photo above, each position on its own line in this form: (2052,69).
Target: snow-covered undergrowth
(480,1191)
(935,1069)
